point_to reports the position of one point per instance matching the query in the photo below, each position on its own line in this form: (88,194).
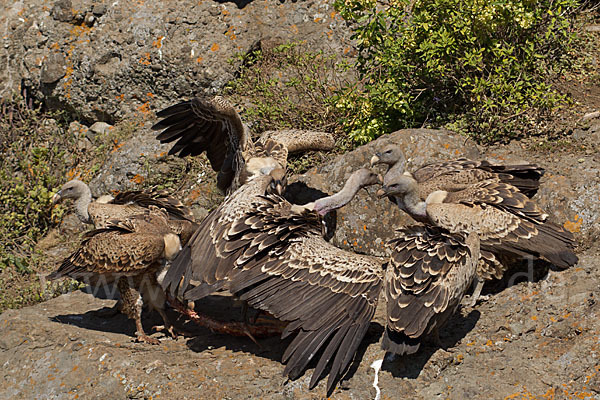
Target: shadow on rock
(239,3)
(226,308)
(104,320)
(273,348)
(517,273)
(300,193)
(410,366)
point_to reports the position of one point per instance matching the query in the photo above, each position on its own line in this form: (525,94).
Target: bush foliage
(33,153)
(485,66)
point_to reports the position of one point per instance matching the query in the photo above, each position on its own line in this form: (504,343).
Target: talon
(145,338)
(247,332)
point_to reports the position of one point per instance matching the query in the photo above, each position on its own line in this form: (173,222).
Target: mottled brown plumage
(123,205)
(429,272)
(212,125)
(460,173)
(130,252)
(507,222)
(272,254)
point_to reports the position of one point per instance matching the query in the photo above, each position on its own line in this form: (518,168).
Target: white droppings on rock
(377,367)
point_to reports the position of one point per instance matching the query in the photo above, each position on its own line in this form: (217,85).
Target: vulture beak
(375,159)
(57,197)
(279,187)
(382,192)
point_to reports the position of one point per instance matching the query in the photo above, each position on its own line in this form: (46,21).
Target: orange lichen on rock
(145,59)
(116,145)
(137,179)
(158,42)
(575,225)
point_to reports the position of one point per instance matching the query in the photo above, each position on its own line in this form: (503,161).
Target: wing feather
(206,125)
(425,288)
(276,259)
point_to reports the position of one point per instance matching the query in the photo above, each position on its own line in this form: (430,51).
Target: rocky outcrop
(366,223)
(105,60)
(532,340)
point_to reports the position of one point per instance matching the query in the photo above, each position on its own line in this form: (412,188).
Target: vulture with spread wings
(213,126)
(272,254)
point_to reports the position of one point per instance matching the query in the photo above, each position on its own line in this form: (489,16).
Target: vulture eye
(387,152)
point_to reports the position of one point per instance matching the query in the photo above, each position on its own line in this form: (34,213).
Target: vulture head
(74,189)
(398,185)
(390,154)
(279,182)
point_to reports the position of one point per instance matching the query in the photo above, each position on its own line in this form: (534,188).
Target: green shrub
(33,152)
(484,66)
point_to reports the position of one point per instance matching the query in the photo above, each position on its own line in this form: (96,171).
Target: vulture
(458,174)
(429,272)
(130,252)
(507,222)
(272,254)
(122,205)
(212,125)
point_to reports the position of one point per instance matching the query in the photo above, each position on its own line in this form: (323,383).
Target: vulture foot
(142,337)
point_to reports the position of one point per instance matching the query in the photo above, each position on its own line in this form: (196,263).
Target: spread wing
(429,272)
(276,259)
(329,295)
(206,125)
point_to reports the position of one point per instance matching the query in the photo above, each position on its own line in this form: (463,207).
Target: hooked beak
(56,198)
(375,160)
(279,188)
(382,192)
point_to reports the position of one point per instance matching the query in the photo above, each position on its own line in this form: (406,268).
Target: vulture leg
(154,295)
(132,307)
(478,284)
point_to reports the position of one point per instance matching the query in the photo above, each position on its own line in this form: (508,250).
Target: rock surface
(106,60)
(536,339)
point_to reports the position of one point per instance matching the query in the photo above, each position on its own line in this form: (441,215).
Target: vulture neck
(397,168)
(341,198)
(82,202)
(410,201)
(414,206)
